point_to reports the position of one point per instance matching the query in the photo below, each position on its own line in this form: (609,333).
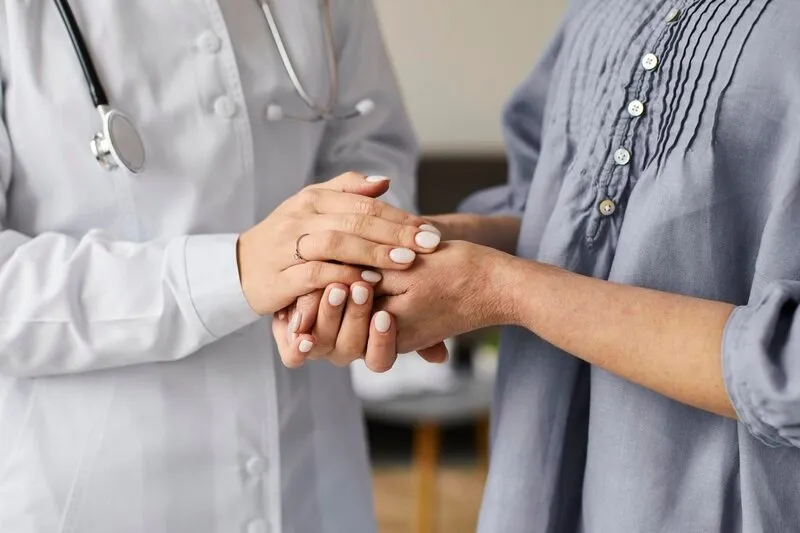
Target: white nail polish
(360,295)
(432,229)
(427,239)
(305,346)
(402,255)
(337,297)
(295,322)
(383,321)
(377,179)
(371,276)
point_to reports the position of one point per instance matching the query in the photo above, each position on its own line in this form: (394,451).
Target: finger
(289,350)
(329,318)
(382,344)
(353,250)
(298,351)
(351,343)
(435,354)
(423,239)
(355,183)
(306,307)
(326,201)
(305,278)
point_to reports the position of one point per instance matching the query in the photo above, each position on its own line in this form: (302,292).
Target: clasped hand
(325,307)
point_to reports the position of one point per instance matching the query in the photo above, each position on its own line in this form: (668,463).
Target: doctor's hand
(460,288)
(292,252)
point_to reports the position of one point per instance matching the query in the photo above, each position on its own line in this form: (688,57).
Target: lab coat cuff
(213,278)
(737,363)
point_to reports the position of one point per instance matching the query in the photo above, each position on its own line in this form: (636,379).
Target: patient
(645,257)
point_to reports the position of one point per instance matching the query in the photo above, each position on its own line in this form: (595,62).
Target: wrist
(500,289)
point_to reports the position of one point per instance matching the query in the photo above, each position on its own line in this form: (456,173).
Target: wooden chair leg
(426,455)
(482,442)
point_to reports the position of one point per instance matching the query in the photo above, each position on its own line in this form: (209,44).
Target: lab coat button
(257,526)
(649,61)
(622,157)
(636,108)
(607,207)
(208,43)
(224,107)
(256,467)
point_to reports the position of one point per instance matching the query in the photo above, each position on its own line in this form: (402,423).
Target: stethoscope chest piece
(119,144)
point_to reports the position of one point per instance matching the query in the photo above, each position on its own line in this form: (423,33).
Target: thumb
(355,183)
(435,354)
(305,312)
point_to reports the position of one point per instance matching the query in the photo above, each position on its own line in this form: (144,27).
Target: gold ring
(297,255)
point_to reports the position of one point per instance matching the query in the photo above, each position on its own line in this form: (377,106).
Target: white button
(622,157)
(256,466)
(649,61)
(208,43)
(636,108)
(224,107)
(257,526)
(607,207)
(673,15)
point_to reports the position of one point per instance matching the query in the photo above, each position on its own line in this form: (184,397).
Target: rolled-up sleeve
(761,364)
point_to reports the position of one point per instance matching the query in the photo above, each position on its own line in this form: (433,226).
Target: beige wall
(458,61)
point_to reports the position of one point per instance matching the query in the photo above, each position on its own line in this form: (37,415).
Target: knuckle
(355,223)
(366,206)
(334,241)
(308,196)
(314,272)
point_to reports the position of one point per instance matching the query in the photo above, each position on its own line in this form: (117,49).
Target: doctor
(139,388)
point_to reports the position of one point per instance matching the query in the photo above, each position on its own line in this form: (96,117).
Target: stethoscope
(119,145)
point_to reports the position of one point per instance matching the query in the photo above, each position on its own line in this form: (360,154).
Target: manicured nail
(427,239)
(360,295)
(371,276)
(432,229)
(383,321)
(377,179)
(305,346)
(337,297)
(402,256)
(295,323)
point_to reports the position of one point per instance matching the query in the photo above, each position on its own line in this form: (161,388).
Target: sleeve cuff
(735,369)
(214,287)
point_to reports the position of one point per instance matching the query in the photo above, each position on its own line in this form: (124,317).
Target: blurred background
(458,62)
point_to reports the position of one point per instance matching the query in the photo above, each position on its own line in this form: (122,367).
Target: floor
(459,494)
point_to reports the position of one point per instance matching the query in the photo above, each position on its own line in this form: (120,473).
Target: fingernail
(360,295)
(336,297)
(295,323)
(305,346)
(383,321)
(432,229)
(402,255)
(281,315)
(377,179)
(371,276)
(427,239)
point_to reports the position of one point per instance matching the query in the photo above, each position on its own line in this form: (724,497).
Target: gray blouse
(657,144)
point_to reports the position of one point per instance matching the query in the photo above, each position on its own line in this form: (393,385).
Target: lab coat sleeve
(381,142)
(73,305)
(523,124)
(761,363)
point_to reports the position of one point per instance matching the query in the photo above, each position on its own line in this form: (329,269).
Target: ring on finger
(297,256)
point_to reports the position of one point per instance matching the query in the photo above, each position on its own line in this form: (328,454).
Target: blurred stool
(467,400)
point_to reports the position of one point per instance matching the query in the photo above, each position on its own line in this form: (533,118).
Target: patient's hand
(456,290)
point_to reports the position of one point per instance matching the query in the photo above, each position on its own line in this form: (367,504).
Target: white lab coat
(139,393)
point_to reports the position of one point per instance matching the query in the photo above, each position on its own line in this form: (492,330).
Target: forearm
(666,342)
(498,232)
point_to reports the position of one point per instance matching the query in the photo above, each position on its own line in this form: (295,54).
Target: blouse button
(224,107)
(636,108)
(622,157)
(649,61)
(673,15)
(607,207)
